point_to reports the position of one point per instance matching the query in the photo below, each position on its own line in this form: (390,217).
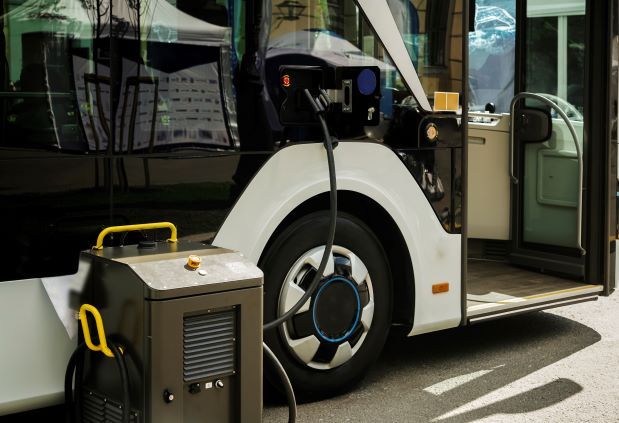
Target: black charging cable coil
(75,369)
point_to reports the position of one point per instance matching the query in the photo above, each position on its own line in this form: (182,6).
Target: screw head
(432,132)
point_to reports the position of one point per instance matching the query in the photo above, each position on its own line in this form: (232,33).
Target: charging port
(347,103)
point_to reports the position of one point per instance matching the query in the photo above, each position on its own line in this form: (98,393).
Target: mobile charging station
(188,320)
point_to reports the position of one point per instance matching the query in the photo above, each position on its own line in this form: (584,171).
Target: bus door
(560,142)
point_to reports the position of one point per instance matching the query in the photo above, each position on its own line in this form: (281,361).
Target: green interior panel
(557,177)
(551,189)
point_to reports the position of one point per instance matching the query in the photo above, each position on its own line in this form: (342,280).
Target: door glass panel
(555,54)
(576,61)
(492,55)
(542,52)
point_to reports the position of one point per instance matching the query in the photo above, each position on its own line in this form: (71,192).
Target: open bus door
(542,165)
(563,156)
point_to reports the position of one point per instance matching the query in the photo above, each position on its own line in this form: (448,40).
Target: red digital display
(286,81)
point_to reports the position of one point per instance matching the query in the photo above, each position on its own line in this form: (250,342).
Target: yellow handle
(100,330)
(128,228)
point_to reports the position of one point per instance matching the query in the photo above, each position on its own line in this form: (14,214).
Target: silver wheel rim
(310,349)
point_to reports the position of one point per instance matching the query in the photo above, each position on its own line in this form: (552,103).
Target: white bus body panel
(35,348)
(299,172)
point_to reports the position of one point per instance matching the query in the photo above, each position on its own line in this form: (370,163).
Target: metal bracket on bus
(514,179)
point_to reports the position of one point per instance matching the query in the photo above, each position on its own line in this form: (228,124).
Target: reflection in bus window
(38,93)
(333,34)
(174,88)
(433,36)
(172,93)
(315,33)
(492,55)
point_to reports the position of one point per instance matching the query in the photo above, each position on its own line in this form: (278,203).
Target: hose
(319,105)
(292,403)
(319,110)
(124,380)
(71,404)
(74,367)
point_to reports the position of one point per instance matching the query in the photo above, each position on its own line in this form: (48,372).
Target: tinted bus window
(54,94)
(175,142)
(328,34)
(174,89)
(48,51)
(432,32)
(334,33)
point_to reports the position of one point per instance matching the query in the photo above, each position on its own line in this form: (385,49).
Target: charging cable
(319,105)
(75,368)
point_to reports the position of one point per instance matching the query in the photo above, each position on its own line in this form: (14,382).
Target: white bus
(502,202)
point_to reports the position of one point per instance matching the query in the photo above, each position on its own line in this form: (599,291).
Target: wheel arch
(296,178)
(384,228)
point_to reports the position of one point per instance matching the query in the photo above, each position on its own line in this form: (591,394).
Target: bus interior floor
(502,284)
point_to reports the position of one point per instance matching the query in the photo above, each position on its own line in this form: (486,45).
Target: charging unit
(187,320)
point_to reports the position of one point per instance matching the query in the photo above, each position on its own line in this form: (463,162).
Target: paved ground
(561,365)
(556,366)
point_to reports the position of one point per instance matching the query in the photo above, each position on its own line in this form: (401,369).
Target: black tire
(301,236)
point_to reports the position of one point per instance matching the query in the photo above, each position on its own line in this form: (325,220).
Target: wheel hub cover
(336,309)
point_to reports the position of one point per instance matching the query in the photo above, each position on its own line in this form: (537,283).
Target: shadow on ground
(427,377)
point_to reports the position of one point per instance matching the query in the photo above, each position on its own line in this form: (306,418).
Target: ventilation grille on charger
(209,345)
(98,409)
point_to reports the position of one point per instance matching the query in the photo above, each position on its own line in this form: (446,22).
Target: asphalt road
(561,365)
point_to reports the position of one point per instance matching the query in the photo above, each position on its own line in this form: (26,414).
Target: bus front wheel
(329,344)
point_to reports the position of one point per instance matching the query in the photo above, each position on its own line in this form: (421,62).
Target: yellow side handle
(100,330)
(129,228)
